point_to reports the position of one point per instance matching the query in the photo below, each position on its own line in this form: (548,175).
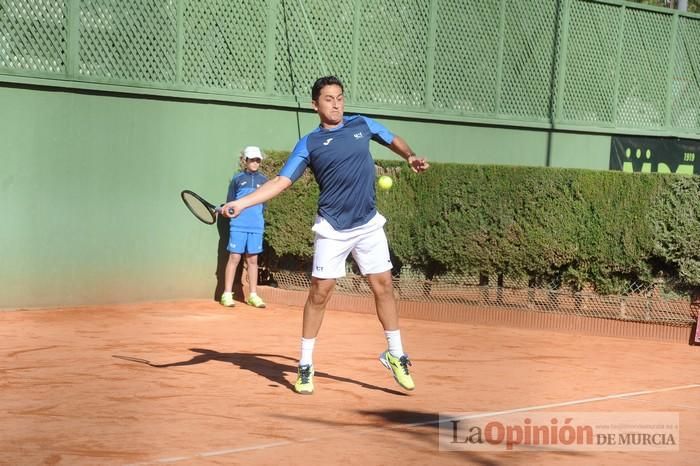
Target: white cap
(252,152)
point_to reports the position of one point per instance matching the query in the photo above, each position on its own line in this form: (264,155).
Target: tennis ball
(385,182)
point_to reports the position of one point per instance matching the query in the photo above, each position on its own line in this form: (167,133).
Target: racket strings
(199,208)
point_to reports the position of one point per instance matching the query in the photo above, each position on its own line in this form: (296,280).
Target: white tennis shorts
(367,243)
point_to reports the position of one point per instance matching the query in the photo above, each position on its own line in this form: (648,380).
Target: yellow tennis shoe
(255,301)
(227,300)
(398,368)
(305,380)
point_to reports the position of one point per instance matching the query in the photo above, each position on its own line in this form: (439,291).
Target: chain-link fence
(572,63)
(640,303)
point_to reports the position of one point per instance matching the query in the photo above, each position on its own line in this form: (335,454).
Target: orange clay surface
(194,383)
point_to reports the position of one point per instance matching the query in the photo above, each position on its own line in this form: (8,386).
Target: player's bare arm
(263,194)
(401,147)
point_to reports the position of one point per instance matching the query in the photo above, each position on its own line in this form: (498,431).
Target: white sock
(307,351)
(227,293)
(250,295)
(393,338)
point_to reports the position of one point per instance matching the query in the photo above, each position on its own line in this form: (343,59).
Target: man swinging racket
(337,152)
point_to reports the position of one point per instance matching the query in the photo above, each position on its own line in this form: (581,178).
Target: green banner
(654,155)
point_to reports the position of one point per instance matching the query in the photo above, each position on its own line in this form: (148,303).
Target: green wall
(461,143)
(90,183)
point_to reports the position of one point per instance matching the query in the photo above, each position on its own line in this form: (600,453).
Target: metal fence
(600,65)
(640,303)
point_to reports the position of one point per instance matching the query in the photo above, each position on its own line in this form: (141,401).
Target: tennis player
(246,230)
(337,152)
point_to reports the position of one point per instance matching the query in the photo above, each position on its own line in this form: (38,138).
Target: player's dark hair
(323,82)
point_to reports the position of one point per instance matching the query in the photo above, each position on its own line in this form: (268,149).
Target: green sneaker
(398,368)
(227,300)
(256,301)
(305,380)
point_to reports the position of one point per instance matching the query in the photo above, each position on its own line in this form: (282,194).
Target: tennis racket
(202,209)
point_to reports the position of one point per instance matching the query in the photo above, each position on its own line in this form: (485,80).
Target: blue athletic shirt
(343,167)
(251,220)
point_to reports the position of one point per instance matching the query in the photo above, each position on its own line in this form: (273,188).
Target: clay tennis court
(194,383)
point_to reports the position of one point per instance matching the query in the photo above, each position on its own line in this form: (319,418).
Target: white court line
(363,430)
(559,405)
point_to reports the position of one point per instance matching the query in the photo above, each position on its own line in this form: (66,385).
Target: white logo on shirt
(328,141)
(243,183)
(358,135)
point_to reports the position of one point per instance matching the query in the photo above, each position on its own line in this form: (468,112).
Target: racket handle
(218,210)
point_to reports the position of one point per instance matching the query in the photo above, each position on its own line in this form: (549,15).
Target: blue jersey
(251,219)
(343,167)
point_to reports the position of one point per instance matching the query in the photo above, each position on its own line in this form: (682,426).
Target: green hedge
(289,217)
(676,224)
(579,227)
